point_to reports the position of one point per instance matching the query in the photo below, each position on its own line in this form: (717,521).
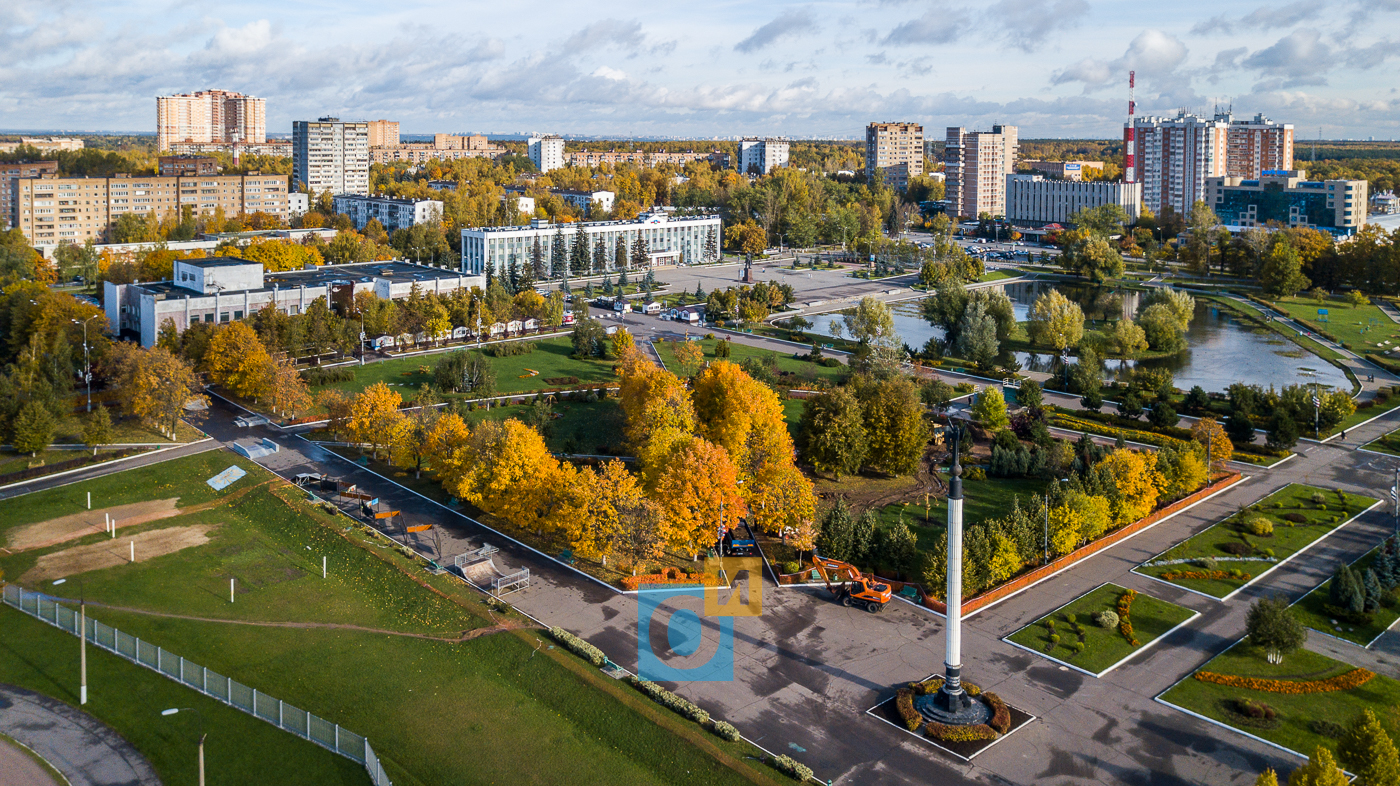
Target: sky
(1055,68)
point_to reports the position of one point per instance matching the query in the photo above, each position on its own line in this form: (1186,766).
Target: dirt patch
(89,522)
(863,493)
(96,556)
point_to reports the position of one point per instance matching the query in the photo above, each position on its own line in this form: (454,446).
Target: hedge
(1352,679)
(790,766)
(725,731)
(1173,575)
(971,733)
(579,647)
(670,700)
(1001,714)
(1161,438)
(1125,627)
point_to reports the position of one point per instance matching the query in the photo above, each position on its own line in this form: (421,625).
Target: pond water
(1221,349)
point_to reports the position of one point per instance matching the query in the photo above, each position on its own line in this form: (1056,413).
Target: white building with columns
(670,240)
(224,289)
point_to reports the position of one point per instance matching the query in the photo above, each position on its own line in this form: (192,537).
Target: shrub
(791,767)
(1208,563)
(946,733)
(324,376)
(792,567)
(976,473)
(1318,498)
(1269,553)
(1070,618)
(1350,680)
(1050,623)
(1054,638)
(1326,728)
(1001,714)
(1106,619)
(725,731)
(578,646)
(507,349)
(1259,527)
(1077,647)
(1236,548)
(1296,518)
(670,701)
(1255,709)
(1322,506)
(904,705)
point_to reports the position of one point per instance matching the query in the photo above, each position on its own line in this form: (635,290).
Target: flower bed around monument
(999,724)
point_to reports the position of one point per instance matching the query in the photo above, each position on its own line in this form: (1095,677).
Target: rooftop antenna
(1130,134)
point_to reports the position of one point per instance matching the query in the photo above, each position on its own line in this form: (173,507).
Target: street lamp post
(87,361)
(202,735)
(82,640)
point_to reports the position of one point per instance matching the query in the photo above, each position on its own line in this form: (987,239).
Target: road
(84,749)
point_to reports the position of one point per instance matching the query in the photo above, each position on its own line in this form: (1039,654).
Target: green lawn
(1389,443)
(551,358)
(1103,647)
(1361,328)
(581,427)
(485,710)
(1288,537)
(792,371)
(1310,610)
(1293,728)
(240,749)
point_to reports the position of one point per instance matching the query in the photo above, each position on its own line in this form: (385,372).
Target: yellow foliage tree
(337,406)
(152,385)
(611,493)
(657,410)
(1138,481)
(375,417)
(505,470)
(689,356)
(698,491)
(238,361)
(447,440)
(1066,530)
(743,416)
(1208,432)
(1094,511)
(1005,562)
(621,342)
(289,394)
(780,500)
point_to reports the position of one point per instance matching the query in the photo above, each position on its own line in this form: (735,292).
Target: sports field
(445,688)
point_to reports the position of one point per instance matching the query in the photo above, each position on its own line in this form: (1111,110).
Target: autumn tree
(289,393)
(1368,752)
(831,433)
(337,404)
(446,444)
(743,416)
(612,494)
(238,361)
(1282,273)
(412,443)
(152,385)
(1210,434)
(895,429)
(698,491)
(1056,321)
(506,469)
(1137,481)
(780,499)
(689,357)
(657,410)
(97,429)
(990,408)
(374,416)
(1320,770)
(621,341)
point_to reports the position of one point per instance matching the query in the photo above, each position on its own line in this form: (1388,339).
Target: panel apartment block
(210,117)
(9,185)
(52,209)
(330,155)
(1175,155)
(896,149)
(976,164)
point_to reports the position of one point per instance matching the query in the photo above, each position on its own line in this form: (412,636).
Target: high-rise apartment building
(976,164)
(50,210)
(1175,155)
(546,152)
(9,186)
(210,117)
(761,156)
(383,133)
(330,155)
(897,150)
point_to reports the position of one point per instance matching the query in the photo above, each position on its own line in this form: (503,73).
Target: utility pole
(87,361)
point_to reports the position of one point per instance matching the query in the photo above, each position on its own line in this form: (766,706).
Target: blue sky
(1054,67)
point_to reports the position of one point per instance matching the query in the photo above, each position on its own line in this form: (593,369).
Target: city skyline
(1056,68)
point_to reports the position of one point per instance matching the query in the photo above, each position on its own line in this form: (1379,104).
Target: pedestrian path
(87,751)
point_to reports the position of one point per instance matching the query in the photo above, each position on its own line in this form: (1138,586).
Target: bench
(910,592)
(566,556)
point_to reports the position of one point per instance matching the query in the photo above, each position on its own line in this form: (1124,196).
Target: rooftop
(642,219)
(325,275)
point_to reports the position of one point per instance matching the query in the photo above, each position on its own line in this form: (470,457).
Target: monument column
(951,697)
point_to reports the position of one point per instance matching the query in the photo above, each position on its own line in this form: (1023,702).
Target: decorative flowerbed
(669,576)
(962,741)
(1095,631)
(1352,679)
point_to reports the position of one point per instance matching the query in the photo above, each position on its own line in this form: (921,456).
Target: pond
(1221,349)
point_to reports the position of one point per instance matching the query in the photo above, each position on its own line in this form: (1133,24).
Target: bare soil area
(106,554)
(89,522)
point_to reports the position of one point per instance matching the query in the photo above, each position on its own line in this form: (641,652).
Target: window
(223,316)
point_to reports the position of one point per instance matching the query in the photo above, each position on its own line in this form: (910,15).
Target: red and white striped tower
(1130,135)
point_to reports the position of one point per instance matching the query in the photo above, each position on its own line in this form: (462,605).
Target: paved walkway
(84,749)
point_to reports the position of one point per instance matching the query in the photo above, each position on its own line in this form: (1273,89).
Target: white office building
(546,152)
(761,156)
(391,213)
(328,155)
(224,289)
(298,203)
(1034,200)
(588,201)
(670,240)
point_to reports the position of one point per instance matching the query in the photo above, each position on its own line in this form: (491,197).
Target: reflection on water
(1221,349)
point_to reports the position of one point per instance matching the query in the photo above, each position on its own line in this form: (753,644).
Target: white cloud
(610,73)
(792,22)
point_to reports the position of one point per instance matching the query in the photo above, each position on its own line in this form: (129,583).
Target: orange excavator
(852,587)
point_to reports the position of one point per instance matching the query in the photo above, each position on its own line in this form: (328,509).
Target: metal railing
(254,702)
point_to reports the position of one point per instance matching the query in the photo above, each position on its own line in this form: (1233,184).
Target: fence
(260,705)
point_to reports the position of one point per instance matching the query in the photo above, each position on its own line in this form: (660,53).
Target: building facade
(225,289)
(896,150)
(9,185)
(51,209)
(761,156)
(210,116)
(588,201)
(546,152)
(1175,155)
(185,166)
(1031,200)
(669,240)
(273,147)
(1288,198)
(1065,170)
(976,165)
(392,214)
(44,144)
(443,146)
(638,157)
(383,133)
(329,155)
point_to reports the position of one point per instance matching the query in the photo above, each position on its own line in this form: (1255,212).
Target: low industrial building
(670,240)
(1032,200)
(1288,198)
(391,213)
(223,289)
